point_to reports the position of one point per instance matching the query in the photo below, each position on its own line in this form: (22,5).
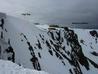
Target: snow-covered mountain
(53,50)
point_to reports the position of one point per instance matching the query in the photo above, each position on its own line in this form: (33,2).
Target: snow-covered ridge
(57,51)
(7,67)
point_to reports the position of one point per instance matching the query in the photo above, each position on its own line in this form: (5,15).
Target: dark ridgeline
(76,55)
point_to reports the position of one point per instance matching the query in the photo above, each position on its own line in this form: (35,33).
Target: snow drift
(54,50)
(7,67)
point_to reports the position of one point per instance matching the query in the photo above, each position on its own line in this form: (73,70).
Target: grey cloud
(55,11)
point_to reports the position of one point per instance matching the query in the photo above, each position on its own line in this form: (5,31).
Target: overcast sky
(54,11)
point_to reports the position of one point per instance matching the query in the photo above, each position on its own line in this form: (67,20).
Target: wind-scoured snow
(7,67)
(53,50)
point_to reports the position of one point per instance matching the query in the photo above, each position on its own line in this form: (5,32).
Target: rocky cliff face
(57,51)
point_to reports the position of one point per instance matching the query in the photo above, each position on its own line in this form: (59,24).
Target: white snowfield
(7,67)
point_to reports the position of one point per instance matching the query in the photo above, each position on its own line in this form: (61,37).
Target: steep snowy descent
(54,50)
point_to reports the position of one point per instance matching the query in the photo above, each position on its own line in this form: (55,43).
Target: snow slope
(7,67)
(59,51)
